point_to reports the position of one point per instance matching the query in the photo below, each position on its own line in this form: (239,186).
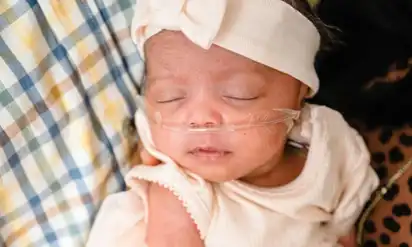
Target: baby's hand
(143,157)
(349,240)
(169,224)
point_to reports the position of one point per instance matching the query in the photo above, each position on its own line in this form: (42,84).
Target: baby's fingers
(146,158)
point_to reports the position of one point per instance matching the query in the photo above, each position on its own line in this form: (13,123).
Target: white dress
(314,210)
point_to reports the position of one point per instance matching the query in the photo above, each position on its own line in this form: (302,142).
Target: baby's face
(189,86)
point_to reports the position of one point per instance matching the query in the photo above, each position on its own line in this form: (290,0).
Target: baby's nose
(205,116)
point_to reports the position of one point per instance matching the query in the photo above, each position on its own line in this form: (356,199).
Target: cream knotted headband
(270,32)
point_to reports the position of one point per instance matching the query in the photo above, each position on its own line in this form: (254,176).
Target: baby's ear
(303,93)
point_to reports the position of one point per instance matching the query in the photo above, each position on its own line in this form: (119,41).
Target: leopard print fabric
(390,223)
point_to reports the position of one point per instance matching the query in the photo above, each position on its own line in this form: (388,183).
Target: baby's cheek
(261,144)
(167,142)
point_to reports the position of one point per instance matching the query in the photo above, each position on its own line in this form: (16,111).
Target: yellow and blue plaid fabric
(69,74)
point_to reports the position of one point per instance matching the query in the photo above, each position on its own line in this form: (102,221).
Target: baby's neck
(285,171)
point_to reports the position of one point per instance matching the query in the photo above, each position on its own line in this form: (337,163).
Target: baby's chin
(217,173)
(217,176)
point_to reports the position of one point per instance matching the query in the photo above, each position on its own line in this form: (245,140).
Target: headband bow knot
(199,20)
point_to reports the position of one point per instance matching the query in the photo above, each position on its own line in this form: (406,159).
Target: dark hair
(308,11)
(357,74)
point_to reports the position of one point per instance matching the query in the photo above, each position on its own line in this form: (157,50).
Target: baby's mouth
(209,152)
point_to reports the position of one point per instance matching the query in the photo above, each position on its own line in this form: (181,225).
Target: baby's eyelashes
(241,97)
(170,100)
(163,95)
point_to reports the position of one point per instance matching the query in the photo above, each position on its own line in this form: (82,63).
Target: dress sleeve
(121,221)
(359,182)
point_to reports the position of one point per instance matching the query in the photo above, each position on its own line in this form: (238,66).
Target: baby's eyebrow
(231,78)
(152,81)
(248,77)
(156,78)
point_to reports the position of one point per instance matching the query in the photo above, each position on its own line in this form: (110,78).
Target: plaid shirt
(69,74)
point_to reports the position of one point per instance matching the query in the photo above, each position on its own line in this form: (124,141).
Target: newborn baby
(223,109)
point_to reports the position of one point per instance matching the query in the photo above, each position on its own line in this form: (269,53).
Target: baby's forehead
(172,51)
(172,59)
